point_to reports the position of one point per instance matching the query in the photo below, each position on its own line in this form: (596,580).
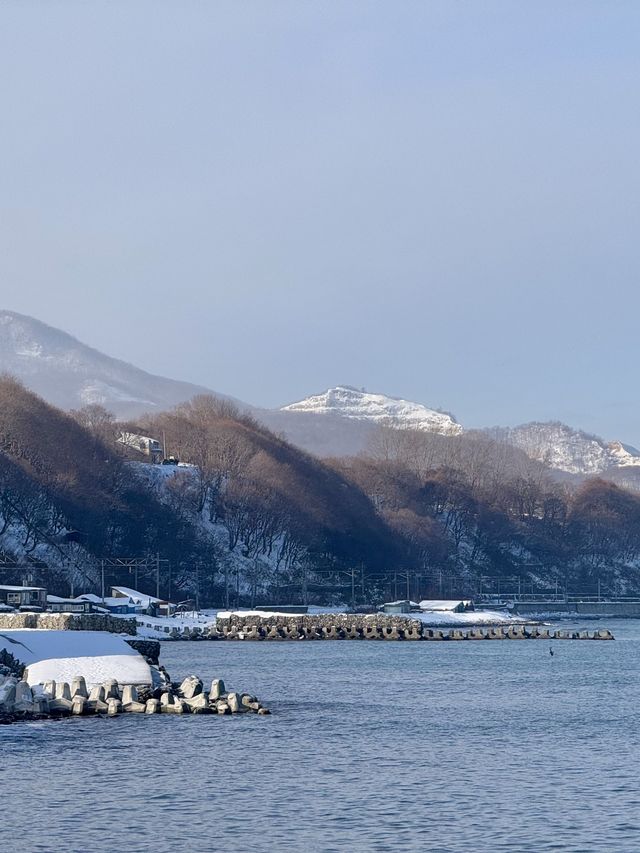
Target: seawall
(68,622)
(566,610)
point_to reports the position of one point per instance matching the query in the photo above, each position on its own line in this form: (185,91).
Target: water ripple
(486,747)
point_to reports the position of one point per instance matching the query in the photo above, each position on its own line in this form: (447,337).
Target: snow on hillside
(566,449)
(348,402)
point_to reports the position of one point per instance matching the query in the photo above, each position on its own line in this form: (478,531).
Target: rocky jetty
(379,627)
(20,701)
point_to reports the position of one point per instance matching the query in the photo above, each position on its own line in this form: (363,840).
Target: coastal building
(55,604)
(143,602)
(118,605)
(23,596)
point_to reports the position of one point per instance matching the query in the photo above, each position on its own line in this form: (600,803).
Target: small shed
(396,607)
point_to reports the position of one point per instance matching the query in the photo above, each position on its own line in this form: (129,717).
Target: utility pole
(157,574)
(102,578)
(353,587)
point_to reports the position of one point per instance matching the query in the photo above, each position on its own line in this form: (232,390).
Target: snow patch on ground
(161,627)
(468,619)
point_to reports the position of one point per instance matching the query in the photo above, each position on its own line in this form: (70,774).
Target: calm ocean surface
(439,747)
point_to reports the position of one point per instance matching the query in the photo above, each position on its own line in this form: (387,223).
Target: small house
(119,606)
(143,444)
(55,604)
(23,596)
(144,603)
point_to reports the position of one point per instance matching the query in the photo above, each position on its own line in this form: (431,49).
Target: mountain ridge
(340,421)
(70,374)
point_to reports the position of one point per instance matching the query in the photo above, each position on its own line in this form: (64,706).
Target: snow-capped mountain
(571,450)
(346,402)
(70,375)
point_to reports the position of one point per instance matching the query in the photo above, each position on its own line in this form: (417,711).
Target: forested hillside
(251,519)
(480,506)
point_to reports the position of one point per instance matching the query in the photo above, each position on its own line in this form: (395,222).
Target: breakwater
(51,700)
(347,627)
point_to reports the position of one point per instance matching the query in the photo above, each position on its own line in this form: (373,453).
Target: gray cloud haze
(437,200)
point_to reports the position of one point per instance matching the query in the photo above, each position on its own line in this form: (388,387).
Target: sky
(434,200)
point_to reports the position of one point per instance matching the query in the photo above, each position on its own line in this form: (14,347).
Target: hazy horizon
(435,201)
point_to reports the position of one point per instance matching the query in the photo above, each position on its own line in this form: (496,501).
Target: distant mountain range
(337,422)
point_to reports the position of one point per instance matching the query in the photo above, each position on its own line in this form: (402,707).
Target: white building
(143,444)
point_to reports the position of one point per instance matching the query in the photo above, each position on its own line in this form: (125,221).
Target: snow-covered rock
(347,402)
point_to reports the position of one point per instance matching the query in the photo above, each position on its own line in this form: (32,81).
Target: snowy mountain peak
(347,402)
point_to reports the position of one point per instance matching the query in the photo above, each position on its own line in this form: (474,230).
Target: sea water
(372,746)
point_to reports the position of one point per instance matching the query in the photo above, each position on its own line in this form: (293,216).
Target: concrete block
(134,707)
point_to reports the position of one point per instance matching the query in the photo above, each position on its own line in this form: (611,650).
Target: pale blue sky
(438,200)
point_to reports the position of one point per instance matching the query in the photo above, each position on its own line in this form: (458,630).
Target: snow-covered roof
(450,604)
(6,588)
(108,601)
(57,599)
(136,597)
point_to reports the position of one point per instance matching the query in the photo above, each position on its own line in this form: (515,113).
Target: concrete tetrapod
(78,706)
(79,687)
(217,689)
